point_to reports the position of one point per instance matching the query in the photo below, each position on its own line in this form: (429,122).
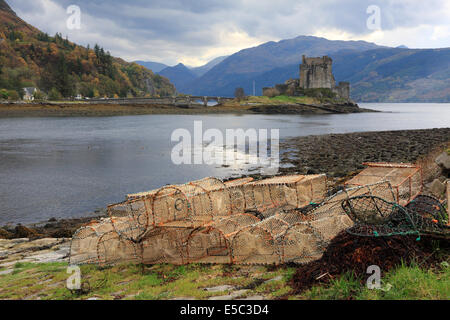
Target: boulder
(25,232)
(5,234)
(443,160)
(437,188)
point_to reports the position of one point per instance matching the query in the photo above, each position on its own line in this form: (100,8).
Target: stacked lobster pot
(210,221)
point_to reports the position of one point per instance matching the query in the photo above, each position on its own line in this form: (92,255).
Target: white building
(29,93)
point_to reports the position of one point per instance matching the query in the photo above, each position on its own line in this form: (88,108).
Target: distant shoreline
(97,110)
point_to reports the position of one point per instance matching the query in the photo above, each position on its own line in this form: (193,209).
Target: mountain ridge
(179,75)
(376,73)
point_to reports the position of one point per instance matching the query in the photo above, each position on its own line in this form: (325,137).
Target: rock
(443,160)
(437,188)
(37,251)
(220,288)
(279,278)
(227,297)
(5,272)
(253,298)
(5,234)
(239,293)
(25,232)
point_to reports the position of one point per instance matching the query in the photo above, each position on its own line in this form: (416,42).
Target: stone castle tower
(316,73)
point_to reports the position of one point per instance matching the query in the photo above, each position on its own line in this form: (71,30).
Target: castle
(314,73)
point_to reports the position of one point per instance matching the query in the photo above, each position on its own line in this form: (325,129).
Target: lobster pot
(83,248)
(295,190)
(221,202)
(375,216)
(208,245)
(257,197)
(332,206)
(170,204)
(301,244)
(165,245)
(209,184)
(212,244)
(229,226)
(237,199)
(279,194)
(311,189)
(131,219)
(200,200)
(254,245)
(223,198)
(238,182)
(112,249)
(405,179)
(291,216)
(274,225)
(330,227)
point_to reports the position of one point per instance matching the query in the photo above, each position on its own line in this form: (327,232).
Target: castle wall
(342,90)
(316,73)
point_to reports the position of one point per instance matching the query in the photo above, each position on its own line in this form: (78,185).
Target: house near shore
(28,93)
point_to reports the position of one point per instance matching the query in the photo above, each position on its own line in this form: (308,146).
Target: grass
(263,100)
(129,281)
(402,283)
(48,281)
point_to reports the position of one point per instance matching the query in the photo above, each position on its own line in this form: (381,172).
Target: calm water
(68,167)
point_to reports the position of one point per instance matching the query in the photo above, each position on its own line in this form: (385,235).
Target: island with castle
(315,91)
(315,73)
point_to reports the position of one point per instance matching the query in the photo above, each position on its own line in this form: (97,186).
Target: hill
(199,71)
(179,75)
(31,58)
(154,66)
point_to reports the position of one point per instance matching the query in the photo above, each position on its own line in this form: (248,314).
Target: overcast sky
(196,31)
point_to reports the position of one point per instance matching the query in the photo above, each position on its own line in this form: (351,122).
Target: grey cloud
(168,30)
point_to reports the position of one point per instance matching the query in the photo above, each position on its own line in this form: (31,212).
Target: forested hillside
(60,68)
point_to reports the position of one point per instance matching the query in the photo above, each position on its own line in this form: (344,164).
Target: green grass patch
(130,281)
(403,283)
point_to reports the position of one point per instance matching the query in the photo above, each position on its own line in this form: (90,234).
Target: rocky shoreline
(108,109)
(338,155)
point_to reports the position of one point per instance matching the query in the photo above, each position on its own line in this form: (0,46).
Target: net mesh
(375,217)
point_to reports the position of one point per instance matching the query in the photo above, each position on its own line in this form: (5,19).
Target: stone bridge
(178,100)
